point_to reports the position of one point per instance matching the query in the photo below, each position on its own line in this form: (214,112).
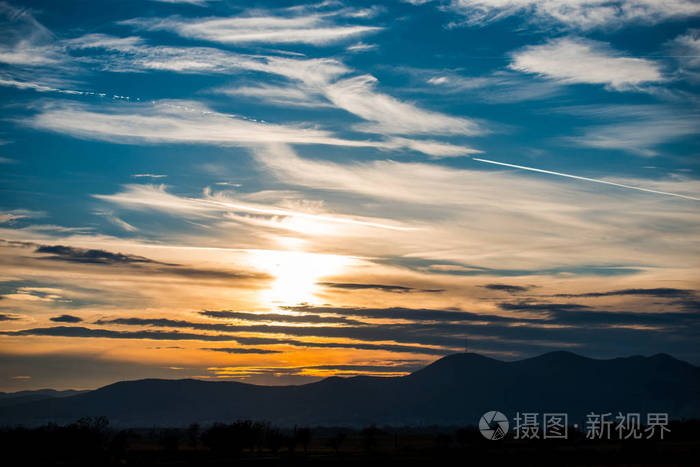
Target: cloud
(301,218)
(512,289)
(401,313)
(685,49)
(382,287)
(312,29)
(534,326)
(380,368)
(361,47)
(24,41)
(378,179)
(314,83)
(133,54)
(69,254)
(580,14)
(573,314)
(66,319)
(6,317)
(190,2)
(636,129)
(285,96)
(688,47)
(573,60)
(80,331)
(188,122)
(498,87)
(83,332)
(395,180)
(173,122)
(148,175)
(522,325)
(435,149)
(37,86)
(388,115)
(229,327)
(549,307)
(113,219)
(276,317)
(80,255)
(442,202)
(241,350)
(660,292)
(8,217)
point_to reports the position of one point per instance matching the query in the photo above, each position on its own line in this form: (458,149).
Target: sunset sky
(276,194)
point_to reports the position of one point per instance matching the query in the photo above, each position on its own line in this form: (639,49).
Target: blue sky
(311,169)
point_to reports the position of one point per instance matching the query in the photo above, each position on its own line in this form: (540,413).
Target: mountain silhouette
(454,390)
(20,397)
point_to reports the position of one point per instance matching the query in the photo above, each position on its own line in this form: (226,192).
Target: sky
(276,194)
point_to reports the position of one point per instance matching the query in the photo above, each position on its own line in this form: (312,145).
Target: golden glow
(296,274)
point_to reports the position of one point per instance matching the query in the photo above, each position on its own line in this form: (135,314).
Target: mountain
(454,390)
(20,397)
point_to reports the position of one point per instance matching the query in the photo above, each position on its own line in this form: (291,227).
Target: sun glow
(296,274)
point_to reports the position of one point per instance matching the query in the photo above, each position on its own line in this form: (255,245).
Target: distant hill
(21,397)
(454,390)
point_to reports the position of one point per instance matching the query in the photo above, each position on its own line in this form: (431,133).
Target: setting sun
(295,274)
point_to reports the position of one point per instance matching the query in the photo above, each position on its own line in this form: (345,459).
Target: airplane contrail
(550,172)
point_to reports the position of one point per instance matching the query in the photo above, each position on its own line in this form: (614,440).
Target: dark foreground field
(92,442)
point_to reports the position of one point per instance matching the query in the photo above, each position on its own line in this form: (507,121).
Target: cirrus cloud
(573,60)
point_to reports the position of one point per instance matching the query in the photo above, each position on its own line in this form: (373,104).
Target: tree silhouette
(369,438)
(303,437)
(193,434)
(336,441)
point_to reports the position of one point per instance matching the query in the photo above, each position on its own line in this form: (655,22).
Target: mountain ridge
(453,390)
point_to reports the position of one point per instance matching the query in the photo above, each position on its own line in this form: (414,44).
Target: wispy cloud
(635,129)
(17,214)
(66,319)
(242,350)
(686,50)
(312,83)
(190,122)
(149,176)
(133,54)
(526,203)
(287,96)
(173,122)
(391,116)
(212,204)
(314,29)
(582,14)
(574,60)
(24,40)
(361,47)
(114,219)
(689,45)
(497,87)
(381,287)
(191,2)
(81,255)
(511,289)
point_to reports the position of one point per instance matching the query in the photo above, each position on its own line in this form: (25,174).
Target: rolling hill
(454,390)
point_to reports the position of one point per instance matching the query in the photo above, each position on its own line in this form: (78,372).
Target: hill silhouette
(454,390)
(20,397)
